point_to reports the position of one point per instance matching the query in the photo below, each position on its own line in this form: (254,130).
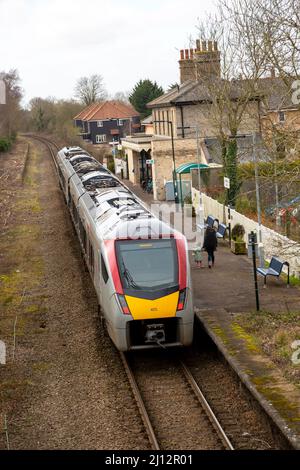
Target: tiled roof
(270,90)
(107,110)
(85,111)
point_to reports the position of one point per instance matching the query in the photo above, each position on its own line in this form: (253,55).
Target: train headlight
(123,304)
(181,300)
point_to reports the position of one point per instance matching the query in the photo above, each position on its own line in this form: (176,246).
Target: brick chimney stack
(195,64)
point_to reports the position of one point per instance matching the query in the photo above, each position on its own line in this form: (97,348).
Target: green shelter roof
(187,167)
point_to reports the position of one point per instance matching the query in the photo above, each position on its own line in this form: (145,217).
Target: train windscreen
(147,264)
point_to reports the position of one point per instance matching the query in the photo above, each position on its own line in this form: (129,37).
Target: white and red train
(139,265)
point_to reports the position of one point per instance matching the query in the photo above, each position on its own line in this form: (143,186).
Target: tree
(89,90)
(230,100)
(122,96)
(11,109)
(144,92)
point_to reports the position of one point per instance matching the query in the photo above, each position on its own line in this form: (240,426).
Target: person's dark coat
(210,240)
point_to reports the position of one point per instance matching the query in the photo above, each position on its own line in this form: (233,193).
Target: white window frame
(99,123)
(281,113)
(120,122)
(100,138)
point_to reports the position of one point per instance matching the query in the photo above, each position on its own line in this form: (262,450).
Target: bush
(5,144)
(238,232)
(111,166)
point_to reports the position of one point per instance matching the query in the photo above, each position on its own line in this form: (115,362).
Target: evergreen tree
(144,92)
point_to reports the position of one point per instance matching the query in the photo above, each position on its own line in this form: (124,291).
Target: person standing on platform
(210,245)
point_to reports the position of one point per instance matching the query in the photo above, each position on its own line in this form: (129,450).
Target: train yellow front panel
(163,307)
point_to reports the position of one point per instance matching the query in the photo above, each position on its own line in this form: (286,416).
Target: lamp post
(170,123)
(260,244)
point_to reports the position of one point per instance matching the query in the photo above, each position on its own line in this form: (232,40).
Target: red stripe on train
(182,268)
(111,255)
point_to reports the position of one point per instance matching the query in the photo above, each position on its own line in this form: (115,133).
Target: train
(138,264)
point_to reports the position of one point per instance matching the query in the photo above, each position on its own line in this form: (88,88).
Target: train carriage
(138,264)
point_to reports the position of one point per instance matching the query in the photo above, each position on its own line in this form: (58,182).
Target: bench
(221,232)
(274,269)
(210,222)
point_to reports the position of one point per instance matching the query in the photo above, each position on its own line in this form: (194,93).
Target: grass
(274,333)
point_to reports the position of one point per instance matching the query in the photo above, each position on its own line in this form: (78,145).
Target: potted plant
(188,207)
(238,245)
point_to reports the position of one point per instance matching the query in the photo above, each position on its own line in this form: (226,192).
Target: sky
(52,43)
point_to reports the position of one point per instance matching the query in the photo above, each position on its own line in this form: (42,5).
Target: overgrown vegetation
(275,333)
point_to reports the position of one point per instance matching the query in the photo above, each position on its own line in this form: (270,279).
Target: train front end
(153,297)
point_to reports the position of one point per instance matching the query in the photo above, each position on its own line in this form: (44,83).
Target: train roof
(118,213)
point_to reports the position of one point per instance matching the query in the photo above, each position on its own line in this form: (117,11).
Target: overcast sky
(54,42)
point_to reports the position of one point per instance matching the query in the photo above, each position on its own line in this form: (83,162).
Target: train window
(91,256)
(75,213)
(148,264)
(82,234)
(104,270)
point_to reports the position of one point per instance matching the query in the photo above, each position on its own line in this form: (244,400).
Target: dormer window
(99,123)
(281,116)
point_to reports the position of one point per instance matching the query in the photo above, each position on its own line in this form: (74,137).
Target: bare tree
(11,109)
(90,89)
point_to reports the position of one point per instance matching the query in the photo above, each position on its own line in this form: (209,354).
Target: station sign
(226,182)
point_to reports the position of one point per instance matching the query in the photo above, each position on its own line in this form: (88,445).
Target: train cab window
(104,270)
(148,264)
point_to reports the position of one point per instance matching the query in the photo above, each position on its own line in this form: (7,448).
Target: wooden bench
(274,269)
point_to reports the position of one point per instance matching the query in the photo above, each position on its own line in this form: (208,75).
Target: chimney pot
(186,52)
(191,53)
(197,44)
(273,73)
(215,45)
(203,46)
(210,46)
(181,54)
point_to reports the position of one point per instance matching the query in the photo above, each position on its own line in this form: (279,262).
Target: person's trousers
(211,257)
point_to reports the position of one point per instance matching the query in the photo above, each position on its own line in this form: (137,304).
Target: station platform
(223,293)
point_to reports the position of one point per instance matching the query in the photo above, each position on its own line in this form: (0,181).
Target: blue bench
(274,269)
(210,221)
(221,232)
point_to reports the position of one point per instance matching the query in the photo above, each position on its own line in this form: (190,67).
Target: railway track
(161,432)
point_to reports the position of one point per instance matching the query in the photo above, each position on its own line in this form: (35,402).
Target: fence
(274,244)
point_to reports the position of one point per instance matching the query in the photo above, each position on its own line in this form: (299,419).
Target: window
(104,270)
(148,265)
(99,123)
(281,116)
(120,123)
(82,234)
(100,138)
(91,257)
(75,213)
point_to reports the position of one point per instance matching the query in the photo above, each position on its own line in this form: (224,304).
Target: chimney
(186,65)
(200,62)
(273,72)
(207,60)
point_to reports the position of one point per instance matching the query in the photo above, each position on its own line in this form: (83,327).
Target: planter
(238,247)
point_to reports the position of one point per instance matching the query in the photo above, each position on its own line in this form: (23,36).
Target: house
(107,122)
(188,109)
